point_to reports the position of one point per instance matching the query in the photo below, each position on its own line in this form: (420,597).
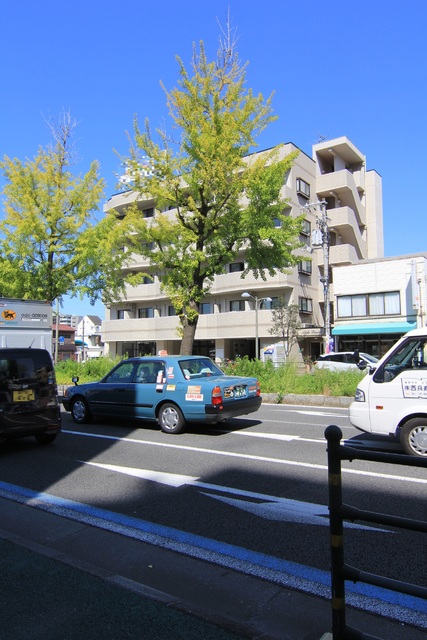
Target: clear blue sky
(337,68)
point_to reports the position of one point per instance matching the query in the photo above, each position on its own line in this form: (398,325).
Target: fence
(340,512)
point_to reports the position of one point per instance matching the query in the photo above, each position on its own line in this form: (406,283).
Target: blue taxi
(172,390)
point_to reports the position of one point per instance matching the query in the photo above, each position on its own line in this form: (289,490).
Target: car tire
(45,438)
(80,411)
(413,437)
(170,418)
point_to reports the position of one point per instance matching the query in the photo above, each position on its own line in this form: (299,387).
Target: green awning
(364,328)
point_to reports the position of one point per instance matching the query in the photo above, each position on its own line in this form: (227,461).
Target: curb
(315,401)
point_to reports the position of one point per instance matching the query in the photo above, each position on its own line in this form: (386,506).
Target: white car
(345,361)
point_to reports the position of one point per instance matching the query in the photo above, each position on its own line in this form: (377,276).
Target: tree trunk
(189,326)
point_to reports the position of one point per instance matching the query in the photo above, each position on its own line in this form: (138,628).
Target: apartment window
(171,310)
(234,267)
(305,267)
(306,228)
(237,305)
(120,314)
(205,307)
(148,213)
(267,304)
(303,188)
(305,305)
(146,312)
(371,304)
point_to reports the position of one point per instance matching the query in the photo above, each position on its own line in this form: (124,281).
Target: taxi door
(148,388)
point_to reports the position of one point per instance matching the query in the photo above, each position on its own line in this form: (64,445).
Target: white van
(392,398)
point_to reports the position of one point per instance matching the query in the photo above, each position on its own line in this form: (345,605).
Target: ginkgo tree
(217,198)
(49,240)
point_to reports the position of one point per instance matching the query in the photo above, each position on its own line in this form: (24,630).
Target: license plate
(235,392)
(24,395)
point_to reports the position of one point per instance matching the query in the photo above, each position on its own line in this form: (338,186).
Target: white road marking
(271,507)
(230,454)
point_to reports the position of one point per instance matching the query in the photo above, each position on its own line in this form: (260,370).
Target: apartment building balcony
(341,254)
(344,187)
(232,324)
(233,282)
(343,221)
(146,292)
(140,329)
(122,200)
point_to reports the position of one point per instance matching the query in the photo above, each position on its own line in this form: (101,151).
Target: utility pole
(321,238)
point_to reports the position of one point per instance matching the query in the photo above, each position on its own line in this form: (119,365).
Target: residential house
(88,337)
(63,342)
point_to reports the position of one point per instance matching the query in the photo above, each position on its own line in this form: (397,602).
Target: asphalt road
(251,494)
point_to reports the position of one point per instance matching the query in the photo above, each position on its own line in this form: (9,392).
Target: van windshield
(411,355)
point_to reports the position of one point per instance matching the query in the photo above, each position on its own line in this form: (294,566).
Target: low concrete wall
(315,401)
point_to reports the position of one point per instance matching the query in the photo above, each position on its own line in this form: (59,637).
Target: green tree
(47,245)
(224,200)
(286,323)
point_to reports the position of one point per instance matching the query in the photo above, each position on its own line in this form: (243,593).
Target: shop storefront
(374,338)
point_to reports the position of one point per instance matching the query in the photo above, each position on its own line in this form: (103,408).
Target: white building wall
(386,275)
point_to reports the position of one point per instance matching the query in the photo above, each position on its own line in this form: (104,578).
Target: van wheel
(171,419)
(80,411)
(45,438)
(413,437)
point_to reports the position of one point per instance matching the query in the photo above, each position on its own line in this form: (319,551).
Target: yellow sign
(8,314)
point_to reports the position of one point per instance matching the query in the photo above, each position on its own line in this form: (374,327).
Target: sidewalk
(64,580)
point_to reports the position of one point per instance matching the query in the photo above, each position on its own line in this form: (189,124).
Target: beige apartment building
(335,175)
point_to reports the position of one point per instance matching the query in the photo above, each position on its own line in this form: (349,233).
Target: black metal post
(333,435)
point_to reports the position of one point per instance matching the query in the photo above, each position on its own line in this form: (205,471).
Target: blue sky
(336,68)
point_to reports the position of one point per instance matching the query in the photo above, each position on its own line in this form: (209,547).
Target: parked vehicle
(345,360)
(29,404)
(392,398)
(171,390)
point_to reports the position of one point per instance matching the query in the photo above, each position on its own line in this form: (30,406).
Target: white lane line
(229,454)
(277,436)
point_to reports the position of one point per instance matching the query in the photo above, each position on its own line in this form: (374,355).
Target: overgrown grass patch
(283,380)
(287,378)
(90,371)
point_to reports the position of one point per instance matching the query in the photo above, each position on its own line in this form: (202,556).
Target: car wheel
(45,438)
(80,411)
(171,419)
(413,437)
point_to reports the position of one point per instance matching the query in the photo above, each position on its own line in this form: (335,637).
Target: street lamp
(257,302)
